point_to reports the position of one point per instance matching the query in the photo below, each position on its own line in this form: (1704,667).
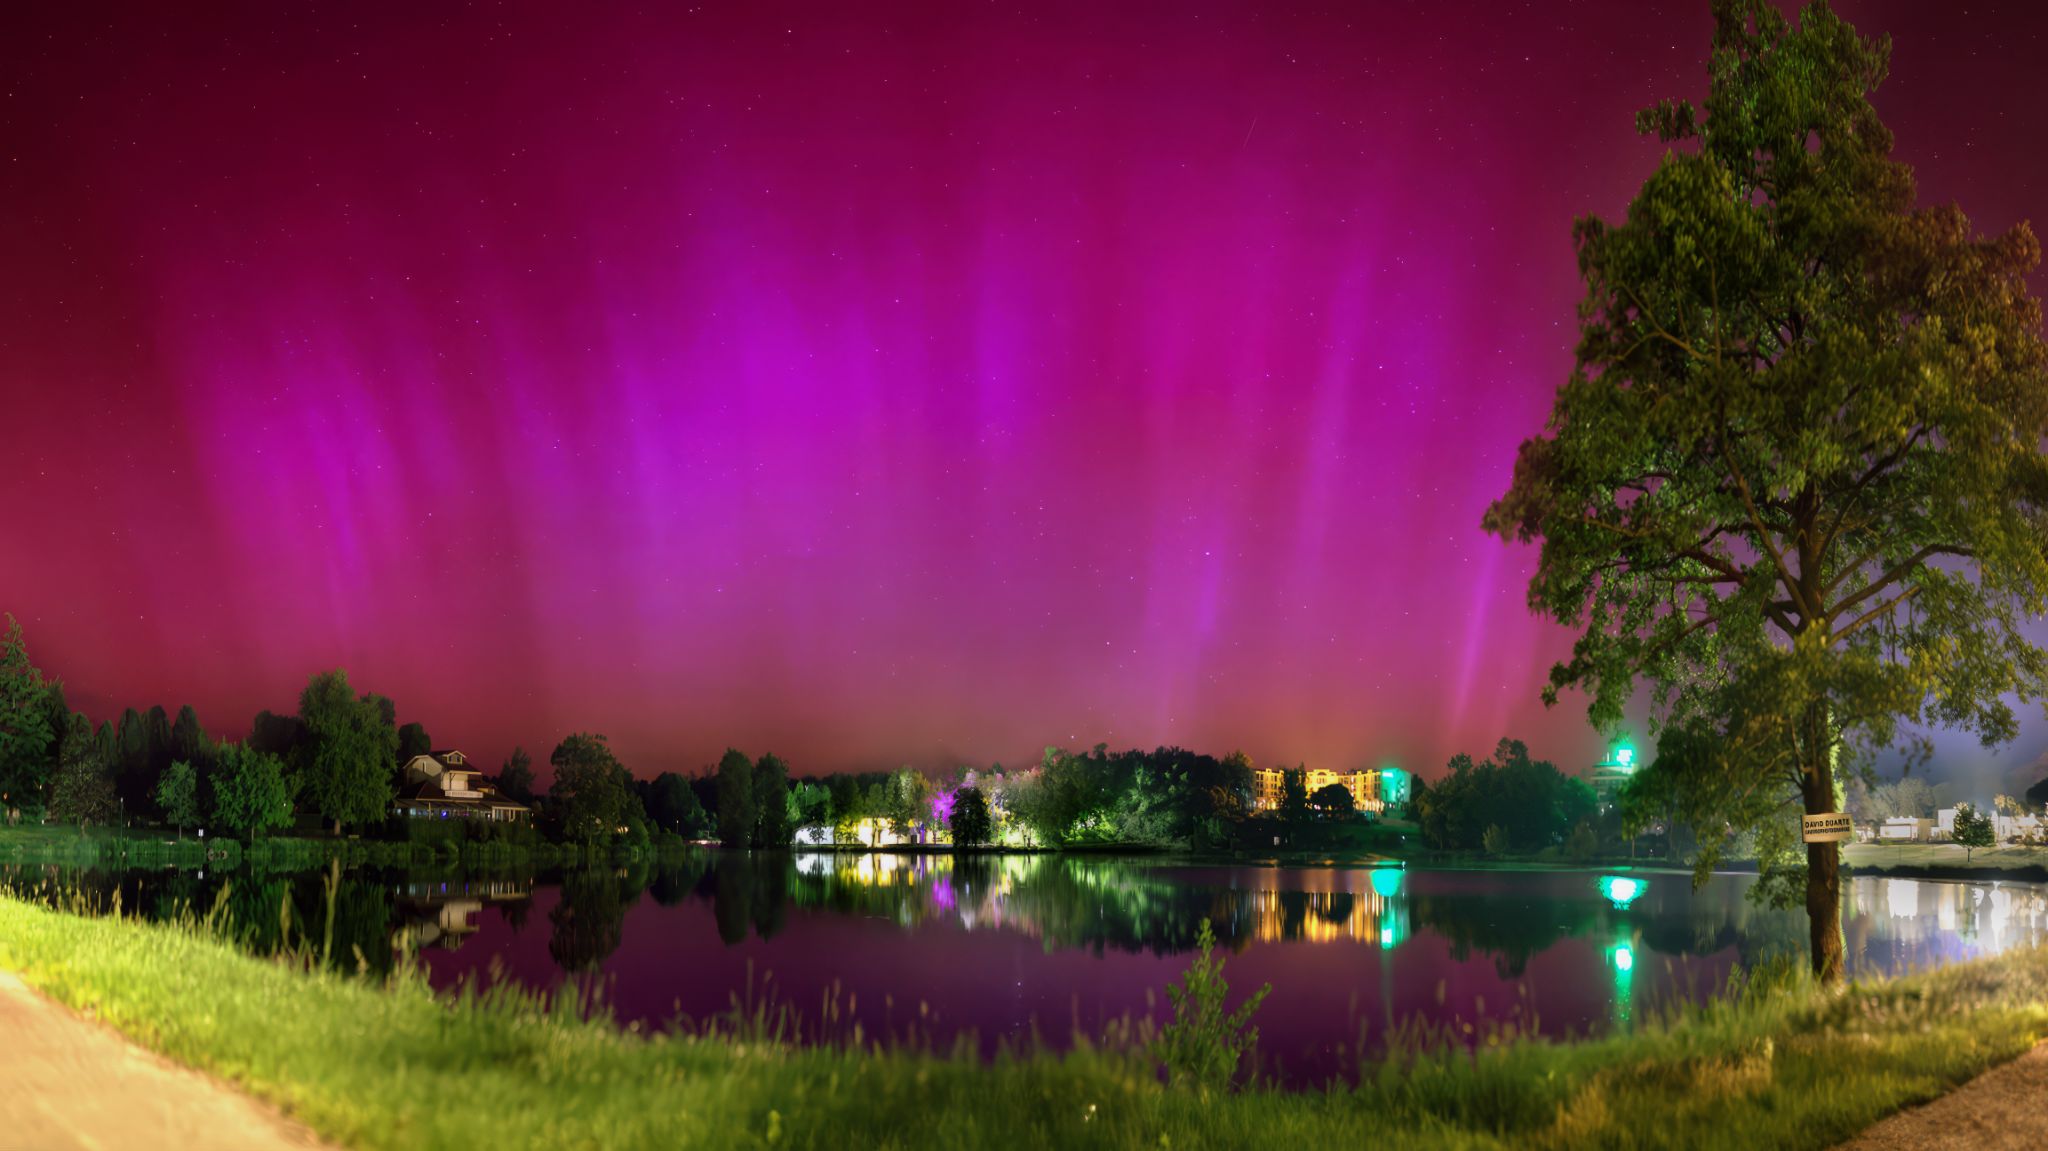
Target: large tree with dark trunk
(1794,487)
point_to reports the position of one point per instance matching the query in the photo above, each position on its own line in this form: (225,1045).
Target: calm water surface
(1009,947)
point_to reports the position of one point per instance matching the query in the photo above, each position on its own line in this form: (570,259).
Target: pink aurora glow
(926,386)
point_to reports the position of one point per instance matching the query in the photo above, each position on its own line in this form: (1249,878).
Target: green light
(1625,755)
(1622,890)
(1624,958)
(1386,939)
(1386,881)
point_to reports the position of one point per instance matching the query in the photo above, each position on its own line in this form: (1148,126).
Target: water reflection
(1004,946)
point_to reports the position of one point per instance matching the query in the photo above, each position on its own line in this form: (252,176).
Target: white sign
(1834,827)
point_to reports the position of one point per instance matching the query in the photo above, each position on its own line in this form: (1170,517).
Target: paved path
(2006,1107)
(70,1083)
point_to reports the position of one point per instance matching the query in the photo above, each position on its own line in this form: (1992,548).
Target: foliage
(1333,801)
(413,740)
(1206,1041)
(810,802)
(188,739)
(1533,803)
(904,801)
(672,806)
(1908,798)
(177,795)
(1495,840)
(83,791)
(971,823)
(592,795)
(2037,795)
(736,817)
(1795,484)
(1973,829)
(1294,795)
(771,802)
(515,778)
(26,731)
(350,747)
(249,793)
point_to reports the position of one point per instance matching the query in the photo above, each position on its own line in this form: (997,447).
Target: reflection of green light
(1624,958)
(1387,938)
(1386,881)
(1622,890)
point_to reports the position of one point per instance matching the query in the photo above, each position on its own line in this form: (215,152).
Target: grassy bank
(1948,861)
(393,1066)
(155,848)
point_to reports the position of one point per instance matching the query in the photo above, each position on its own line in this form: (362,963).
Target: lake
(1007,948)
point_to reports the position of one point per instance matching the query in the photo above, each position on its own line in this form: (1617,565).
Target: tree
(26,733)
(673,807)
(971,823)
(249,793)
(83,791)
(413,740)
(1794,484)
(771,802)
(590,791)
(349,749)
(283,736)
(904,802)
(1293,794)
(188,738)
(515,779)
(177,795)
(1908,798)
(1206,1041)
(2037,795)
(735,799)
(1973,830)
(1332,801)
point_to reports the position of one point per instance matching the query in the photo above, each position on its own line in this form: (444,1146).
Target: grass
(1948,861)
(392,1065)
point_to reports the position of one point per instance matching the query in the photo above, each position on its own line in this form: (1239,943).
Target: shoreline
(1776,1065)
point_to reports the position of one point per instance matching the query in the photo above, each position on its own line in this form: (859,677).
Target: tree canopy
(1794,485)
(26,732)
(592,793)
(971,823)
(249,792)
(736,818)
(349,749)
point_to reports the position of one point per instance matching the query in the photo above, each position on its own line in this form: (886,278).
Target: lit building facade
(1269,784)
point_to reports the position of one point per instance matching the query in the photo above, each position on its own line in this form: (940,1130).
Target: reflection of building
(1269,784)
(442,785)
(1365,914)
(442,914)
(1608,776)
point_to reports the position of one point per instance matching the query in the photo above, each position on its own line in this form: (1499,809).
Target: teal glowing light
(1622,890)
(1624,958)
(1625,756)
(1386,881)
(1387,938)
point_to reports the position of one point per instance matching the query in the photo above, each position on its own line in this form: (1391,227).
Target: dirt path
(2006,1107)
(75,1084)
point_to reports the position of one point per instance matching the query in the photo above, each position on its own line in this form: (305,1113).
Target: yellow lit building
(1270,783)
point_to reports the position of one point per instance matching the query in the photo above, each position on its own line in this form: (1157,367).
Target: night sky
(870,383)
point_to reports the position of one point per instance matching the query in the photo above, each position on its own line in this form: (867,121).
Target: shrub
(1206,1041)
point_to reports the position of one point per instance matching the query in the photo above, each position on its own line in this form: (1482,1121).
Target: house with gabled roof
(442,785)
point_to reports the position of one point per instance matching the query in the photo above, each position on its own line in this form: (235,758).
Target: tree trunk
(1823,860)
